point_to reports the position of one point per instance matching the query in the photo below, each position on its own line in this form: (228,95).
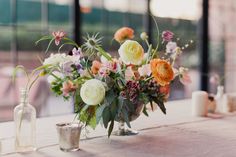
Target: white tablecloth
(177,134)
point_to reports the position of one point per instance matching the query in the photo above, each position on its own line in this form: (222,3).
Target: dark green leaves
(106,116)
(99,112)
(110,128)
(160,104)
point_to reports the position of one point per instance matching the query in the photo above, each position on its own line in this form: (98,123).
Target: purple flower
(167,36)
(76,52)
(66,67)
(79,68)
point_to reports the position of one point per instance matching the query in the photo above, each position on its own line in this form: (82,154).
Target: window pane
(5,12)
(60,14)
(29,12)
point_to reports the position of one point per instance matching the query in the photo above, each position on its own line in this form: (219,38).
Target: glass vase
(69,136)
(122,129)
(25,125)
(219,98)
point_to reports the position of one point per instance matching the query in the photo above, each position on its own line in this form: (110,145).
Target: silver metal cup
(69,136)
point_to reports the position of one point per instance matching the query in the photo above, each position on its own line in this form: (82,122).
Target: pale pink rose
(145,70)
(58,36)
(171,47)
(129,74)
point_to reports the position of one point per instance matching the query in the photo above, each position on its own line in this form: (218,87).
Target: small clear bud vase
(219,98)
(25,124)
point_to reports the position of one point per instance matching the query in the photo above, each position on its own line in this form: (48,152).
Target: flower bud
(144,36)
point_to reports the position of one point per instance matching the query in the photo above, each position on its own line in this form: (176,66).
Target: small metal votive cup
(69,136)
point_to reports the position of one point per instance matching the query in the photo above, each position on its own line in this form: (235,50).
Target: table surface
(177,134)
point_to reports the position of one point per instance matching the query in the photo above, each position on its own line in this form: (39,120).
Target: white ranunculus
(92,92)
(55,59)
(51,78)
(59,59)
(131,52)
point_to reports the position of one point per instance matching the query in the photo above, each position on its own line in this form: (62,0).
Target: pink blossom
(215,79)
(145,70)
(67,87)
(185,78)
(58,36)
(167,35)
(171,47)
(129,74)
(104,71)
(111,65)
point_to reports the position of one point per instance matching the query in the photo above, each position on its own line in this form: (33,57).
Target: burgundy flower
(58,36)
(167,35)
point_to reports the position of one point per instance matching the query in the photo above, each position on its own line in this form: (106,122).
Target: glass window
(5,12)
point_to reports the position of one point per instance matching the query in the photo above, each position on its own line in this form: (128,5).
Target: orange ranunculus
(162,71)
(95,67)
(124,33)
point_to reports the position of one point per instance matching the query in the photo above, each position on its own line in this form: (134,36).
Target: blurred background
(209,24)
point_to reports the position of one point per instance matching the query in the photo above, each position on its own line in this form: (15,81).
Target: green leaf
(145,111)
(110,96)
(104,53)
(43,38)
(106,116)
(110,128)
(49,45)
(93,122)
(161,105)
(71,41)
(99,113)
(113,109)
(126,117)
(151,104)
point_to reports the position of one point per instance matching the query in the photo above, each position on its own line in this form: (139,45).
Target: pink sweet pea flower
(129,74)
(145,70)
(167,35)
(58,36)
(67,87)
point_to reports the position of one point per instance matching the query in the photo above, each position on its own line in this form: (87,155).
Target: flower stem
(103,53)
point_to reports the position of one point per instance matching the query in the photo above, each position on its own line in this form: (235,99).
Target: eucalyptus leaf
(111,126)
(106,116)
(126,117)
(145,111)
(113,109)
(99,113)
(160,104)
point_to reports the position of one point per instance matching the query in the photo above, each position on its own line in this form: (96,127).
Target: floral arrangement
(107,89)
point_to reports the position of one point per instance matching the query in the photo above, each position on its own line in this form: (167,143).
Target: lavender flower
(66,67)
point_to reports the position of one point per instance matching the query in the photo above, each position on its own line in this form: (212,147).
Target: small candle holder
(69,136)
